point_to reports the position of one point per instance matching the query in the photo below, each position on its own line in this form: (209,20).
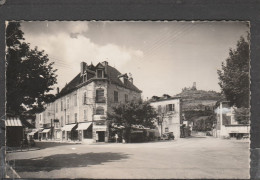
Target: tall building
(81,107)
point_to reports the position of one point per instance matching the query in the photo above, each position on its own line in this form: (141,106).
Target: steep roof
(111,75)
(72,85)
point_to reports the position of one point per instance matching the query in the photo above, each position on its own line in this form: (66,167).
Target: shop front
(45,134)
(69,132)
(100,132)
(85,132)
(34,134)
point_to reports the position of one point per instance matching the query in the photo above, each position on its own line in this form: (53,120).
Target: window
(68,119)
(68,103)
(126,97)
(84,78)
(159,109)
(169,107)
(100,111)
(87,134)
(61,120)
(56,107)
(115,96)
(99,73)
(85,114)
(75,100)
(61,105)
(100,98)
(85,97)
(76,117)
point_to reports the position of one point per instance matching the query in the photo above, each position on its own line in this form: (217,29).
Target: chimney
(83,67)
(58,90)
(131,78)
(104,63)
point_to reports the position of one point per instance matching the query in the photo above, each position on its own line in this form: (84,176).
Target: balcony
(101,100)
(99,117)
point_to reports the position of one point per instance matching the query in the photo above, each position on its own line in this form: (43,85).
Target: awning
(46,131)
(31,133)
(68,127)
(13,122)
(84,126)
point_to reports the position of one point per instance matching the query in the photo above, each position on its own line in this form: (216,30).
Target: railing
(99,117)
(101,100)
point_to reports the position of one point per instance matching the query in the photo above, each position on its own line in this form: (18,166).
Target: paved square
(197,157)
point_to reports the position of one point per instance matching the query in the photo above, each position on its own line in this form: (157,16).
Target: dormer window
(99,73)
(84,77)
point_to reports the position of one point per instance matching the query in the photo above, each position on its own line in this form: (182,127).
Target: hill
(193,99)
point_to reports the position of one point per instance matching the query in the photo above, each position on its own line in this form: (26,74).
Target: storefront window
(87,134)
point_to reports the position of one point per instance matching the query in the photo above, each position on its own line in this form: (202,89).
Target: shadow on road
(59,161)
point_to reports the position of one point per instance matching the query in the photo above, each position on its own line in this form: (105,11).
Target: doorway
(101,136)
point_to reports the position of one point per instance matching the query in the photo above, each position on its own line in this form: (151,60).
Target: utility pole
(51,129)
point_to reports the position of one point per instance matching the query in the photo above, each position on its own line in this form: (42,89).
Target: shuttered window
(84,100)
(170,107)
(115,96)
(100,96)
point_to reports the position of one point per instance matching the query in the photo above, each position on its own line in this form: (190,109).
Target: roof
(13,122)
(112,75)
(164,99)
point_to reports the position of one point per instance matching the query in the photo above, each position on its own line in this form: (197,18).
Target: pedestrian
(116,136)
(96,137)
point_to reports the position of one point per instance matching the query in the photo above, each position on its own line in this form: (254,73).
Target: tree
(242,115)
(234,76)
(29,75)
(133,113)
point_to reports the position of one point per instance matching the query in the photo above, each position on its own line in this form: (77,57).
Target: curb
(13,171)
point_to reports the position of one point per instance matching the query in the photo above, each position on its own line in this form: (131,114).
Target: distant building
(81,107)
(226,125)
(169,114)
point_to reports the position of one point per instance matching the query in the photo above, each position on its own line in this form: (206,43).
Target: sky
(163,57)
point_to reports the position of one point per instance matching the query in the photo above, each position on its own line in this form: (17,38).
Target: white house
(169,114)
(226,125)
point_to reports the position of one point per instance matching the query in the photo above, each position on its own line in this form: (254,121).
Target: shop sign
(100,129)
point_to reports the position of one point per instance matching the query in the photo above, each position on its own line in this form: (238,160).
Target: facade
(169,114)
(226,125)
(81,107)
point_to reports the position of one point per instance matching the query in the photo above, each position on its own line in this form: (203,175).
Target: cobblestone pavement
(198,157)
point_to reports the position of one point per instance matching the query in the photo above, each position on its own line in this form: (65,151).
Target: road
(200,157)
